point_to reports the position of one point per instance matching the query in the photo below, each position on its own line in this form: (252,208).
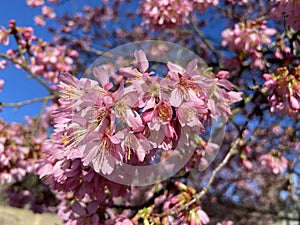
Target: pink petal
(294,103)
(235,96)
(175,68)
(192,67)
(102,75)
(126,222)
(226,84)
(134,120)
(176,97)
(142,60)
(108,165)
(203,216)
(129,72)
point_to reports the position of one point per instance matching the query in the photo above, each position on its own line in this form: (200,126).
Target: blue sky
(17,86)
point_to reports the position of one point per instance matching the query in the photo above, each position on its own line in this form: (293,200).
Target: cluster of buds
(284,90)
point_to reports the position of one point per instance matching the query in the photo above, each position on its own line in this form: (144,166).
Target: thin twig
(199,195)
(24,67)
(26,102)
(205,41)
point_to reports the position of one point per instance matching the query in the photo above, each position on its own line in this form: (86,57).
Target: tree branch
(26,102)
(198,196)
(205,41)
(24,67)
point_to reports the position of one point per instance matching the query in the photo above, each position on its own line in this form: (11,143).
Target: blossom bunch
(144,113)
(290,9)
(32,192)
(19,149)
(166,14)
(171,13)
(38,56)
(284,90)
(195,215)
(247,40)
(100,125)
(278,164)
(47,12)
(35,3)
(50,61)
(202,5)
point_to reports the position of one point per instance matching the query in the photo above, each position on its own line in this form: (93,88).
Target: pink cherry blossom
(99,126)
(277,164)
(39,20)
(48,12)
(35,3)
(16,156)
(202,216)
(247,39)
(3,64)
(202,5)
(166,14)
(239,2)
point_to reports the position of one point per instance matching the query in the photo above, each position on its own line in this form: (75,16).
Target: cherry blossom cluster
(88,191)
(38,197)
(290,9)
(38,56)
(145,113)
(172,199)
(278,164)
(202,5)
(47,12)
(99,125)
(247,39)
(171,13)
(166,14)
(19,149)
(284,90)
(50,61)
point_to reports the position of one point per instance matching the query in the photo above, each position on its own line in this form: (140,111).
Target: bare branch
(26,102)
